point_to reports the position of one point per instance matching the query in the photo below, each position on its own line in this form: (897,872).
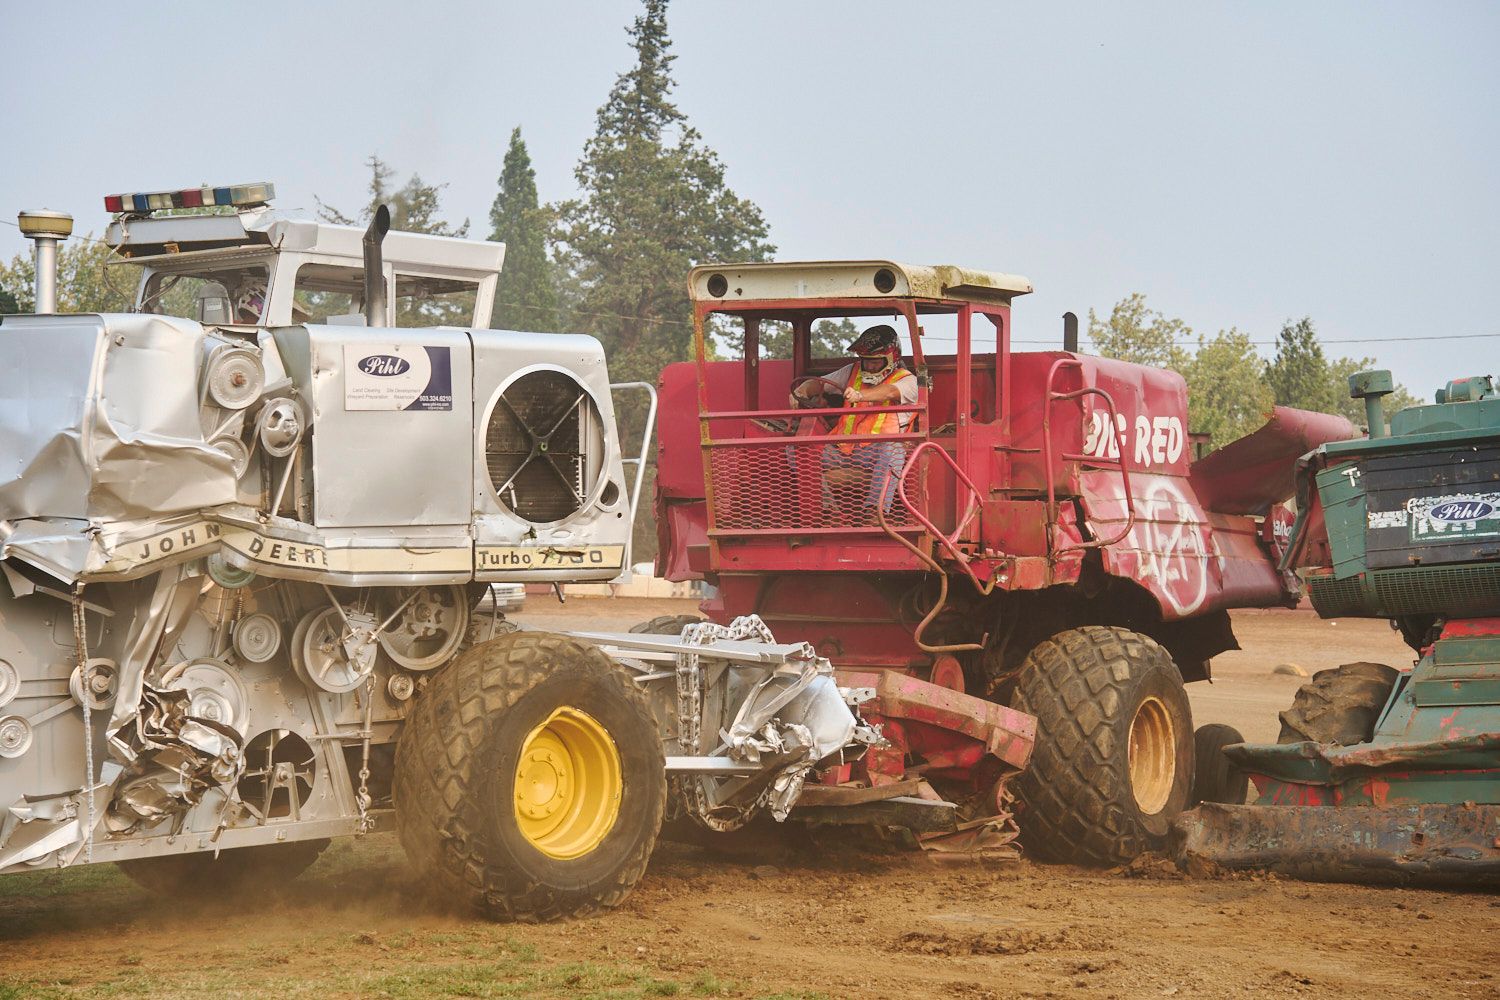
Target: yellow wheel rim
(1153,756)
(568,785)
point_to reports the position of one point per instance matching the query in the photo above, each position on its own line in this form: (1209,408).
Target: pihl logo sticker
(1458,511)
(383,365)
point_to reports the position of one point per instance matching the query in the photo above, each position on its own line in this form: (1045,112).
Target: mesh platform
(785,485)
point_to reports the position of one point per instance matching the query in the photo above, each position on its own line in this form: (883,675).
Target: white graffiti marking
(1158,440)
(1171,545)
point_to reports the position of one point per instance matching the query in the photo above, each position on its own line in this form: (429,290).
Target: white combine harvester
(246,531)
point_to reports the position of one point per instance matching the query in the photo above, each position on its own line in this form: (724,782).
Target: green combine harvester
(1383,774)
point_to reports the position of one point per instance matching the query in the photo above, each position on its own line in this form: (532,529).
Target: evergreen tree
(414,206)
(1299,374)
(526,298)
(654,203)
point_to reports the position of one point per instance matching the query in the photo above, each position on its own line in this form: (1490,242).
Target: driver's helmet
(250,303)
(877,343)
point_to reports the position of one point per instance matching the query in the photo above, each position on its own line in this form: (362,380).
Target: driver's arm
(880,395)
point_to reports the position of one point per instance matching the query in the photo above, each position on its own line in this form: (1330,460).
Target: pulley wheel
(10,683)
(104,680)
(429,629)
(15,736)
(215,691)
(257,637)
(319,656)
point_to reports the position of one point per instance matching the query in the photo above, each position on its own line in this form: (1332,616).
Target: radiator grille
(543,446)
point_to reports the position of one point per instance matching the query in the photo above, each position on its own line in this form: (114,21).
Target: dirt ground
(831,920)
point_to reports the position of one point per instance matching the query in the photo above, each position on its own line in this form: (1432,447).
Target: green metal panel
(1343,498)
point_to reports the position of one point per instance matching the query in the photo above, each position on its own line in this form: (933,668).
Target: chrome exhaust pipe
(380,224)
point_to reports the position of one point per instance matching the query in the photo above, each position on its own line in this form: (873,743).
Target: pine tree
(654,203)
(1299,375)
(526,298)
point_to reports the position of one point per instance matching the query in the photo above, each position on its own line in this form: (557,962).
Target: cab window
(423,300)
(213,296)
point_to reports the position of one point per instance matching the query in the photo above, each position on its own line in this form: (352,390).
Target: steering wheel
(831,388)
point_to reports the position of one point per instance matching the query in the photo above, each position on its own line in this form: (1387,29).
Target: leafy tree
(830,338)
(83,283)
(1299,374)
(1227,393)
(654,202)
(1135,332)
(1339,371)
(526,298)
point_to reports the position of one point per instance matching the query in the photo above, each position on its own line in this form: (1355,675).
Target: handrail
(948,542)
(1048,458)
(835,411)
(640,460)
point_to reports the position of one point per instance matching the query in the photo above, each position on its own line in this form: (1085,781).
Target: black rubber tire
(455,778)
(1340,705)
(233,871)
(1215,778)
(665,625)
(1085,687)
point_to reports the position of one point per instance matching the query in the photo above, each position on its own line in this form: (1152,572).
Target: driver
(250,303)
(877,379)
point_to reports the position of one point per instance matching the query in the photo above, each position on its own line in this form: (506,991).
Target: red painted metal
(1470,627)
(1249,475)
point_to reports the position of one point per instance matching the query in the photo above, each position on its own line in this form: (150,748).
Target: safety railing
(803,479)
(1050,456)
(639,461)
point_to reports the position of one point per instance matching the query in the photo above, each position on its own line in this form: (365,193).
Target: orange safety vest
(870,423)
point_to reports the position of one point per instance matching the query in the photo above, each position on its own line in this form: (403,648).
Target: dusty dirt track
(791,921)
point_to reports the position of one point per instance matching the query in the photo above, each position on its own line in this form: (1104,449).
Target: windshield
(210,294)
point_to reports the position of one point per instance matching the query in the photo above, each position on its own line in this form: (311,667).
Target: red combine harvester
(1047,565)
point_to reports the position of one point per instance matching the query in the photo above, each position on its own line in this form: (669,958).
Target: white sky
(1239,164)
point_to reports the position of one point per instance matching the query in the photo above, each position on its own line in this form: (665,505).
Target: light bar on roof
(237,196)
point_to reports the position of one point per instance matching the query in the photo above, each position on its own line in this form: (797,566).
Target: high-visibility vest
(869,423)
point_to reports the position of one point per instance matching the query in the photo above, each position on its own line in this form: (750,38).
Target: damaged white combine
(247,532)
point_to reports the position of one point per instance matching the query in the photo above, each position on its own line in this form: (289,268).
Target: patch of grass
(62,882)
(518,978)
(707,984)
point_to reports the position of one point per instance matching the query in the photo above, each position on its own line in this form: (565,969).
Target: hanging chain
(85,683)
(362,797)
(694,789)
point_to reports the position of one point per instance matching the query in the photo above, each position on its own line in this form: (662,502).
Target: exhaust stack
(1070,333)
(48,229)
(380,224)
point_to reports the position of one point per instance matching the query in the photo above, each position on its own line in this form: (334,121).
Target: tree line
(1230,388)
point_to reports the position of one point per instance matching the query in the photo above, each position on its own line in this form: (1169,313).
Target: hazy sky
(1239,164)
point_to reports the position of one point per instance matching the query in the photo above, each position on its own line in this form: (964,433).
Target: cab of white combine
(223,256)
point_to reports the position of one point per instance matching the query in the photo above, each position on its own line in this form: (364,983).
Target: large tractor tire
(1215,778)
(665,625)
(1114,755)
(530,781)
(233,871)
(1339,706)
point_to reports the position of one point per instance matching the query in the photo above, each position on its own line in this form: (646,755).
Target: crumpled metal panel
(116,440)
(1248,475)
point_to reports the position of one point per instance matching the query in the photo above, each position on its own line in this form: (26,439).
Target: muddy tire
(530,781)
(1215,778)
(1339,706)
(665,625)
(1114,757)
(234,871)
